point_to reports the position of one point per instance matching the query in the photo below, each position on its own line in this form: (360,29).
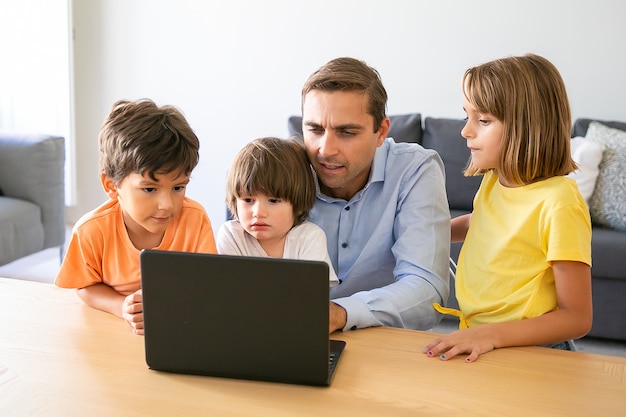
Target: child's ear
(109,187)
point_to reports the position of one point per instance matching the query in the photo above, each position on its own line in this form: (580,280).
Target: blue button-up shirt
(390,244)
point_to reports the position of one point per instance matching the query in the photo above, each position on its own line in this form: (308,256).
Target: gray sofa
(608,245)
(32,194)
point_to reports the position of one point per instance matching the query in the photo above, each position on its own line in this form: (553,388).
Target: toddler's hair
(140,137)
(275,167)
(527,94)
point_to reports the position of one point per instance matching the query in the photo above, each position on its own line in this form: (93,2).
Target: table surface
(59,357)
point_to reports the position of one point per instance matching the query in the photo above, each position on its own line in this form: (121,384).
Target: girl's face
(267,218)
(483,133)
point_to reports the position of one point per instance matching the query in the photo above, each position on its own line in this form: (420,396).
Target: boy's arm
(102,297)
(105,298)
(458,227)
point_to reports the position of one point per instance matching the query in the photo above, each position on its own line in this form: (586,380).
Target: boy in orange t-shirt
(147,154)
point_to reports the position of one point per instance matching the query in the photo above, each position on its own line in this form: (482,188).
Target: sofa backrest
(32,169)
(403,128)
(581,126)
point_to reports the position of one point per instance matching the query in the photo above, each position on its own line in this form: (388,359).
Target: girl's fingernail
(443,356)
(430,353)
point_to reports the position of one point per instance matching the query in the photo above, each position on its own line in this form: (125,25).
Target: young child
(270,190)
(147,154)
(523,274)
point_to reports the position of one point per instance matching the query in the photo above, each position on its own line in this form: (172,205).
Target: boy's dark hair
(351,75)
(277,168)
(140,137)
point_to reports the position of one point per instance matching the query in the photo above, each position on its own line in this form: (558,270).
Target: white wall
(235,68)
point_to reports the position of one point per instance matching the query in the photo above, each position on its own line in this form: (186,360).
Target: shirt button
(347,208)
(344,245)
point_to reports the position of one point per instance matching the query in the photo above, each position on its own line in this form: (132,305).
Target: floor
(44,265)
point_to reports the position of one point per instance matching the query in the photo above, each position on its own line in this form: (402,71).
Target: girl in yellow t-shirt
(524,271)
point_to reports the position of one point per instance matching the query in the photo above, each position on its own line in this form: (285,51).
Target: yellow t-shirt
(504,271)
(100,250)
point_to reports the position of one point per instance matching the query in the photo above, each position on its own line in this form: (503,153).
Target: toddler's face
(265,217)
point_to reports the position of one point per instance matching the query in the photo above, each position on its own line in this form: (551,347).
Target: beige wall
(235,68)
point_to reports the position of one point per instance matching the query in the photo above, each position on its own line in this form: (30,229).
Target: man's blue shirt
(390,244)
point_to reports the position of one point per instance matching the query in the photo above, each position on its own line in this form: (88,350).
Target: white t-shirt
(306,241)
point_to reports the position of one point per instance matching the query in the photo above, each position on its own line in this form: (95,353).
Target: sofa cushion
(608,202)
(21,230)
(587,155)
(404,127)
(444,136)
(607,253)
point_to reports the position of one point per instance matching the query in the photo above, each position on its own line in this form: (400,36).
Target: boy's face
(267,218)
(148,206)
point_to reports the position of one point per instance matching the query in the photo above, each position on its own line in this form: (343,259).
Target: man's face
(340,140)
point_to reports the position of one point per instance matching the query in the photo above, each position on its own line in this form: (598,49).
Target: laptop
(238,317)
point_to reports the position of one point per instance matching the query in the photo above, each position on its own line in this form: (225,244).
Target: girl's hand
(473,341)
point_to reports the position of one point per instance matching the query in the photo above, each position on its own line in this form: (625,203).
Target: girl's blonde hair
(275,167)
(527,94)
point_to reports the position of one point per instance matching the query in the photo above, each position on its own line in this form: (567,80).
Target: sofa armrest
(32,169)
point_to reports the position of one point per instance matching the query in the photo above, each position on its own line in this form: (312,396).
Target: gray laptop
(238,317)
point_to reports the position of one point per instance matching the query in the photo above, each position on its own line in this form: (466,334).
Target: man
(382,204)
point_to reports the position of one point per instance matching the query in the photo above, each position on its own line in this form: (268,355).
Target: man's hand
(132,311)
(337,317)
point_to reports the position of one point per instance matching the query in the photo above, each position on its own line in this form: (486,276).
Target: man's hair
(140,137)
(276,167)
(351,75)
(527,94)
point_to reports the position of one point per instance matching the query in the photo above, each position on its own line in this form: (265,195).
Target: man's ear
(383,131)
(109,187)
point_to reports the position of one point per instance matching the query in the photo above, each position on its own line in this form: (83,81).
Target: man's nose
(328,144)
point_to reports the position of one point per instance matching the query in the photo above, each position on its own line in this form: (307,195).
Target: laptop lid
(239,317)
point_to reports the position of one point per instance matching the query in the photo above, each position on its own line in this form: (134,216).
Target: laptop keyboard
(332,362)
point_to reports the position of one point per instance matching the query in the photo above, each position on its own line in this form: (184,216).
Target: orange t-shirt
(100,250)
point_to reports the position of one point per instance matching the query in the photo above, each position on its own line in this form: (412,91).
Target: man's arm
(337,317)
(421,249)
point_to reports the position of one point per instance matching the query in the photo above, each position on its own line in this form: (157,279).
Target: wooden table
(59,357)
